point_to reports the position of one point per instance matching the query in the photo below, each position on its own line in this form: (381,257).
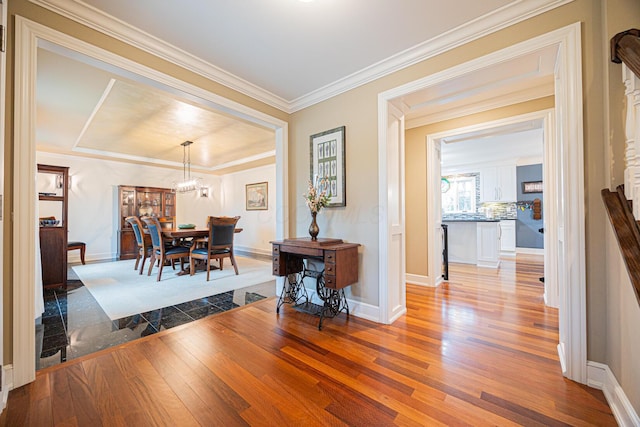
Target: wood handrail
(627,232)
(625,47)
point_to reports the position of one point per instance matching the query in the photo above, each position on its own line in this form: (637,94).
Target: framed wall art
(328,163)
(532,187)
(257,196)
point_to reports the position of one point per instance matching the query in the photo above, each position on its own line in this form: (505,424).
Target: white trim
(7,384)
(417,279)
(384,108)
(29,36)
(363,310)
(572,310)
(530,251)
(547,117)
(602,378)
(507,254)
(3,169)
(515,97)
(490,23)
(391,309)
(239,250)
(100,21)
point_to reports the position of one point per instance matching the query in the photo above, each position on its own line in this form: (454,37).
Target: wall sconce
(60,181)
(204,192)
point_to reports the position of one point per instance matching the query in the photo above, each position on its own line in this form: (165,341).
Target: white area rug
(121,291)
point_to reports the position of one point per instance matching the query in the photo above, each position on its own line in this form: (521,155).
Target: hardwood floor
(479,350)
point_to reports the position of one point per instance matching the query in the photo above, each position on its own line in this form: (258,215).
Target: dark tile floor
(74,324)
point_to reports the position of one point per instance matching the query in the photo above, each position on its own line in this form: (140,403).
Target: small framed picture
(328,161)
(257,196)
(532,187)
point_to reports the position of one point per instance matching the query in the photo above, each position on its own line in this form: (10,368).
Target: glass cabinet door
(150,204)
(169,204)
(127,204)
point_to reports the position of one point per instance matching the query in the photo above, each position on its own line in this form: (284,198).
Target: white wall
(93,201)
(259,227)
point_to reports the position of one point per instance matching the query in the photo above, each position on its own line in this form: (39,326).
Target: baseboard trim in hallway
(601,377)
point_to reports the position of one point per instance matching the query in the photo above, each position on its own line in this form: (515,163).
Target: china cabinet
(53,184)
(142,202)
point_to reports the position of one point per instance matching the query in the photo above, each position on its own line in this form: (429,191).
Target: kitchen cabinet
(508,237)
(488,244)
(474,242)
(498,184)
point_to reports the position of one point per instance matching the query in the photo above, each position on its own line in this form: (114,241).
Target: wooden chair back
(137,227)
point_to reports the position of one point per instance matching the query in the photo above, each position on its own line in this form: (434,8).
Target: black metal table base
(293,291)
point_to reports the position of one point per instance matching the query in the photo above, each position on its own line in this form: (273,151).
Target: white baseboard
(530,251)
(600,376)
(7,384)
(255,251)
(356,308)
(416,279)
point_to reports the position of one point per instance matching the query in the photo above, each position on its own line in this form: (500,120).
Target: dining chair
(143,241)
(161,252)
(219,244)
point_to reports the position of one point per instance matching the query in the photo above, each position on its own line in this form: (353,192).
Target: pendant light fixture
(188,183)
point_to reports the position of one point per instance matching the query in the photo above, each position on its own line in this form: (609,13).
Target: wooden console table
(340,262)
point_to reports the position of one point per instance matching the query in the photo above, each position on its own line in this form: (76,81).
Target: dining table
(180,234)
(187,233)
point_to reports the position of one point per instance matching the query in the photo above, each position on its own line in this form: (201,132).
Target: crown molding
(93,18)
(511,98)
(506,16)
(478,28)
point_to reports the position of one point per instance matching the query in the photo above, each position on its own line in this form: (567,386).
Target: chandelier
(188,183)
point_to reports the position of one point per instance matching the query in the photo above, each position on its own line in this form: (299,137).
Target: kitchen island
(474,241)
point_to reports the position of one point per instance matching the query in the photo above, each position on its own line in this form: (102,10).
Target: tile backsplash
(487,210)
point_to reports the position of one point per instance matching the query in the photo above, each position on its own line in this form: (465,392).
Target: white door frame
(6,380)
(434,211)
(29,36)
(391,193)
(572,348)
(549,178)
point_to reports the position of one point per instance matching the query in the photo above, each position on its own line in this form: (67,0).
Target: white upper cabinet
(498,184)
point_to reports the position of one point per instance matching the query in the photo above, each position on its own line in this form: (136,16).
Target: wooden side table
(340,269)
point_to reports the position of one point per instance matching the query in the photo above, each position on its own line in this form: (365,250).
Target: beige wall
(357,110)
(416,174)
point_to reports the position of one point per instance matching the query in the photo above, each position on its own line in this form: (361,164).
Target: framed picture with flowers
(327,155)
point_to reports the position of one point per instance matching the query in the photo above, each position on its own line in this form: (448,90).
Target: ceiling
(517,144)
(287,53)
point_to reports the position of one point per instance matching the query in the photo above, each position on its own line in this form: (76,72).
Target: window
(461,195)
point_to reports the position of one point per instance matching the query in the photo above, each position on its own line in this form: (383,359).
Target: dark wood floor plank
(62,400)
(161,403)
(478,350)
(195,391)
(114,406)
(83,401)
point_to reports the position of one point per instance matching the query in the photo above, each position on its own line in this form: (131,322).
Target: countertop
(472,220)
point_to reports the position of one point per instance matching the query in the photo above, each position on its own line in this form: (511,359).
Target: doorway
(29,36)
(566,210)
(472,151)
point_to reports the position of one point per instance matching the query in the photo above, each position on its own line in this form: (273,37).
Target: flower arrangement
(316,196)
